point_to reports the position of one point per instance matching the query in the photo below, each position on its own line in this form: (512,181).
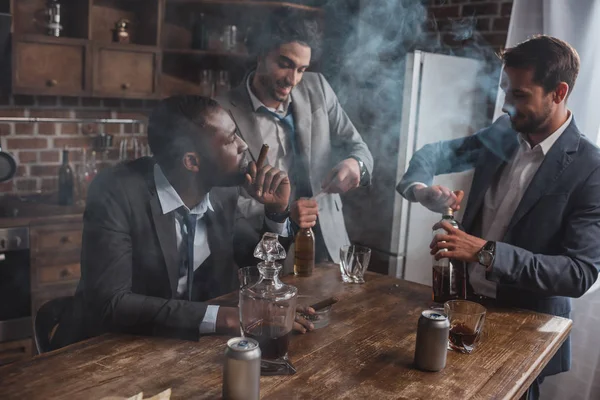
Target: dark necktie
(298,174)
(288,121)
(188,231)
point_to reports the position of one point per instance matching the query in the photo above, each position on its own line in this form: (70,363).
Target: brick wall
(37,146)
(490,18)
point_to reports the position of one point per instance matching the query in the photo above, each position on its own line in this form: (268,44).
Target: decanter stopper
(269,249)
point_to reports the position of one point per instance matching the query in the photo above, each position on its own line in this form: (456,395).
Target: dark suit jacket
(129,259)
(551,250)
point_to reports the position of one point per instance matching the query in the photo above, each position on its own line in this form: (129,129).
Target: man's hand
(301,324)
(458,244)
(438,198)
(269,186)
(304,212)
(343,177)
(228,321)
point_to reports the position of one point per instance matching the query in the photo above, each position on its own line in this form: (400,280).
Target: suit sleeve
(345,139)
(573,272)
(440,158)
(107,269)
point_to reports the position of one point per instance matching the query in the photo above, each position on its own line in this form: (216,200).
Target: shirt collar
(169,198)
(256,103)
(546,144)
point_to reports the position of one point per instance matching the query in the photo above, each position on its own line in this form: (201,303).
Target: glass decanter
(268,309)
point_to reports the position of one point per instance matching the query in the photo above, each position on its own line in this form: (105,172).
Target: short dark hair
(173,127)
(285,25)
(553,61)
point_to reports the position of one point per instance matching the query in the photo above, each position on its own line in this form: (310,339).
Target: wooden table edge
(536,368)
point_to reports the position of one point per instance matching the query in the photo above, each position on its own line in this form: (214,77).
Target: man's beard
(236,178)
(532,124)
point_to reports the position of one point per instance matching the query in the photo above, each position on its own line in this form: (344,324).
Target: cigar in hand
(324,303)
(262,157)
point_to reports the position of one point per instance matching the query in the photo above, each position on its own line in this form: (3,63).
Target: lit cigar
(325,303)
(262,157)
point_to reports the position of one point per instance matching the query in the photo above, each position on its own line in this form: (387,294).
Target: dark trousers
(533,393)
(321,253)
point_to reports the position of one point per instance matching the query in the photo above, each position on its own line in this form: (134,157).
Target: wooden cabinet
(129,71)
(55,260)
(159,60)
(50,66)
(15,351)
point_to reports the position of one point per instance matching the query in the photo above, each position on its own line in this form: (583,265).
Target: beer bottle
(65,181)
(304,256)
(449,276)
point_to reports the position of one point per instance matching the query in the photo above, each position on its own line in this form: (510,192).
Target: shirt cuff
(407,194)
(280,228)
(209,323)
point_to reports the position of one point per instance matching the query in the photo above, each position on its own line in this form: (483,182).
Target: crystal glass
(268,308)
(466,324)
(354,261)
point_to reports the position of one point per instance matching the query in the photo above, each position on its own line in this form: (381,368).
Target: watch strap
(278,217)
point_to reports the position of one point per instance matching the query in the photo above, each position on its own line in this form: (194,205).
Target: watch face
(485,258)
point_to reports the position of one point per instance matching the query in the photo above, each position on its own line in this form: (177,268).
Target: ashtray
(320,318)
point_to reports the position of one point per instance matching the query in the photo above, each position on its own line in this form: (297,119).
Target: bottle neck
(65,157)
(269,271)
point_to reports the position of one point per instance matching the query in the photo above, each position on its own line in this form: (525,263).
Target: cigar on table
(324,303)
(262,157)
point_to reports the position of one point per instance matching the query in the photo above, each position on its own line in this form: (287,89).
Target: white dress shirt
(170,201)
(503,197)
(273,132)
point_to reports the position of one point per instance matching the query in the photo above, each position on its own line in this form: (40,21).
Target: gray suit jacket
(326,137)
(550,251)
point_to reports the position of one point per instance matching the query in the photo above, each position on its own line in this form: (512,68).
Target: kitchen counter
(39,209)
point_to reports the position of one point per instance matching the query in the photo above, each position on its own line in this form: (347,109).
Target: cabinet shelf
(158,60)
(207,53)
(249,3)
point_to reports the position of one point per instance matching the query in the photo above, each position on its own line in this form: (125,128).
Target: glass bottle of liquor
(200,33)
(65,181)
(304,256)
(449,275)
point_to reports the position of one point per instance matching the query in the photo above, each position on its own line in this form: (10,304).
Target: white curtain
(578,23)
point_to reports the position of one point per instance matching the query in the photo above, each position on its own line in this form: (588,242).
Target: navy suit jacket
(551,249)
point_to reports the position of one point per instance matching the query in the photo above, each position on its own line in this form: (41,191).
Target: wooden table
(366,352)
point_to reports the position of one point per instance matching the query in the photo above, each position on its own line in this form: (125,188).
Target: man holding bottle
(533,215)
(299,116)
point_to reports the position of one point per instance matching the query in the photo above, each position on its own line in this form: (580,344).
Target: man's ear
(561,92)
(191,161)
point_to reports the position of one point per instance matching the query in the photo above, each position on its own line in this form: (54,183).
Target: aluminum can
(432,341)
(241,370)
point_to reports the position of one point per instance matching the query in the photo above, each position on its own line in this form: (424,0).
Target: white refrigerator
(442,100)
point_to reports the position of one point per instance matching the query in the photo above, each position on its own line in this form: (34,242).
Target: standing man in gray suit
(532,220)
(299,116)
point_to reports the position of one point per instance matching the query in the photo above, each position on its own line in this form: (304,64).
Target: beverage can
(241,369)
(432,341)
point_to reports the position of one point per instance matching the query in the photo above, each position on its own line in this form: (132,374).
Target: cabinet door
(125,72)
(52,67)
(55,255)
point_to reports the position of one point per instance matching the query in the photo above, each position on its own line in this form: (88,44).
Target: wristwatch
(278,217)
(487,254)
(363,169)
